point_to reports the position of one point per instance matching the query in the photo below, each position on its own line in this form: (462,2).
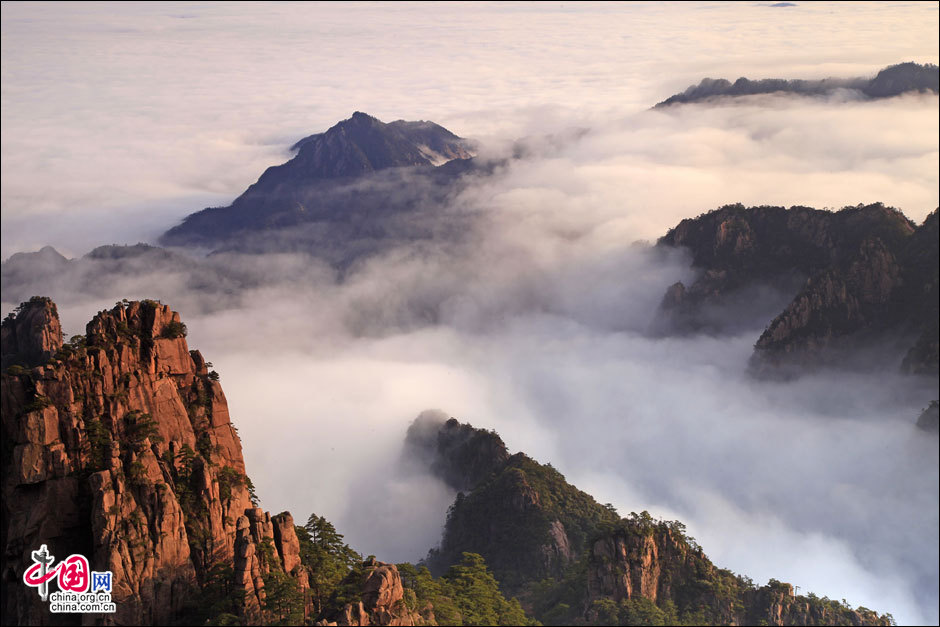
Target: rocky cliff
(651,569)
(31,335)
(118,445)
(521,516)
(571,560)
(376,597)
(863,278)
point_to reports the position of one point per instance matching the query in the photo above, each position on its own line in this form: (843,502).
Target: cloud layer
(533,322)
(146,113)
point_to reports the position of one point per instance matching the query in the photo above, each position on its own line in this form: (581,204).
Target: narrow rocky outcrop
(379,599)
(118,445)
(31,335)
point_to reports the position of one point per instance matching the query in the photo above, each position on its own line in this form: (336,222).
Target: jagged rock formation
(654,560)
(31,335)
(573,561)
(353,182)
(119,446)
(861,276)
(379,599)
(889,82)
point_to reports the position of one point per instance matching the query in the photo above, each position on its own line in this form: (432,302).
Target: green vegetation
(326,557)
(509,517)
(136,473)
(39,402)
(32,302)
(467,594)
(139,427)
(229,478)
(186,469)
(513,519)
(219,601)
(174,329)
(283,599)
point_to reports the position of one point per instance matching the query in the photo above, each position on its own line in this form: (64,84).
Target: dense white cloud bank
(118,121)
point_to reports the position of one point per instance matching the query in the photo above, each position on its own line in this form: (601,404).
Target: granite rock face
(119,446)
(654,561)
(381,599)
(33,336)
(836,284)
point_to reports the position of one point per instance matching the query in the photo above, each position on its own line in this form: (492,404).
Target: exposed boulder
(379,599)
(121,449)
(31,335)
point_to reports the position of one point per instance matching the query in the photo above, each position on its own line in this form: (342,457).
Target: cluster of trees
(327,558)
(467,594)
(489,520)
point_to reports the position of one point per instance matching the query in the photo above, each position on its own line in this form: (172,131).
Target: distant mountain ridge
(347,174)
(891,81)
(842,279)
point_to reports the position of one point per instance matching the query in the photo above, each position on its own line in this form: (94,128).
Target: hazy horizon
(120,120)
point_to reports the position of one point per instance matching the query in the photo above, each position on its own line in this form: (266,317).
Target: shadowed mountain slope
(572,560)
(356,175)
(837,283)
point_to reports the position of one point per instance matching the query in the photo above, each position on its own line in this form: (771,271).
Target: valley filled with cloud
(535,314)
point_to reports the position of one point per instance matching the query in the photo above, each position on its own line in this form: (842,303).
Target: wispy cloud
(117,125)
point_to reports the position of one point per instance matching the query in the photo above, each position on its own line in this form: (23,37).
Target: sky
(120,119)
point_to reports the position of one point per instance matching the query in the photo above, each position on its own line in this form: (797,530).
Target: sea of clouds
(119,121)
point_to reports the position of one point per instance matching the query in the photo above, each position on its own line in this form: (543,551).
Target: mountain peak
(295,191)
(31,334)
(359,116)
(457,453)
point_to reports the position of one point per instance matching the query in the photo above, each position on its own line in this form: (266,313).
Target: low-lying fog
(534,324)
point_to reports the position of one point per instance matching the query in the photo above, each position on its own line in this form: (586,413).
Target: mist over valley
(721,312)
